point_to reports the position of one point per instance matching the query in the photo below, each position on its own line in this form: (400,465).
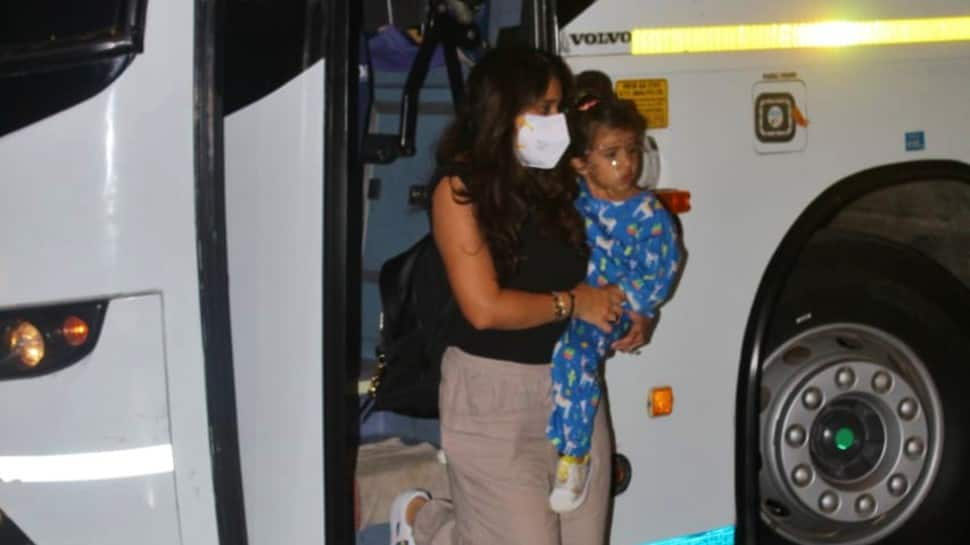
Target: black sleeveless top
(545,265)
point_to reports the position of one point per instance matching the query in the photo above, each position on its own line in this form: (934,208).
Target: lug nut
(898,485)
(845,378)
(828,502)
(802,475)
(865,504)
(914,447)
(908,409)
(812,398)
(881,382)
(795,436)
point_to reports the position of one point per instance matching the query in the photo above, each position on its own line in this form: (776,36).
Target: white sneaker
(572,484)
(401,531)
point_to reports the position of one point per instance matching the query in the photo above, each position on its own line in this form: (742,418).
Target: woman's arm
(471,272)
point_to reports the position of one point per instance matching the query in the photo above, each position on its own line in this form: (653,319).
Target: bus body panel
(274,206)
(860,103)
(100,201)
(598,30)
(124,468)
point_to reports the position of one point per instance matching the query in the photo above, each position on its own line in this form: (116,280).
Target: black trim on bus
(818,214)
(343,210)
(125,36)
(10,533)
(538,27)
(45,78)
(267,45)
(210,217)
(80,51)
(544,15)
(567,10)
(42,94)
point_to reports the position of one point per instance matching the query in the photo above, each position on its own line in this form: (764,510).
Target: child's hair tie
(587,102)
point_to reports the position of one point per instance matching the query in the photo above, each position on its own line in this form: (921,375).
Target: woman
(514,249)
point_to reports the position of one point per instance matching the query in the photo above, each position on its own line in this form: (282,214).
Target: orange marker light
(677,201)
(75,331)
(799,117)
(661,401)
(27,342)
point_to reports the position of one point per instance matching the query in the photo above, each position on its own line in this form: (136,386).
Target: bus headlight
(26,343)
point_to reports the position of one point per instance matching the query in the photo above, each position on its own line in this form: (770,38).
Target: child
(600,85)
(633,243)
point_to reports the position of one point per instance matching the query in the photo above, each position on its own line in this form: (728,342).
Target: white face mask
(541,140)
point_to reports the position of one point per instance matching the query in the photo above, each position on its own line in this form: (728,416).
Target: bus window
(53,56)
(43,25)
(266,45)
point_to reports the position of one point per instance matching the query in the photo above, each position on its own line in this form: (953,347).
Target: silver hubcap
(851,435)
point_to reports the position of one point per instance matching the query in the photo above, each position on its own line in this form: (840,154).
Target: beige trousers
(501,466)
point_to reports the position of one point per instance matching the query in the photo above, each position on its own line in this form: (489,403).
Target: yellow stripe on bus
(701,39)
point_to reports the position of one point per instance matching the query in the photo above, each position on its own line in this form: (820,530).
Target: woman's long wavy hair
(481,140)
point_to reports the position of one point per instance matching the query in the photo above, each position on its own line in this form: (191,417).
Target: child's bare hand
(637,336)
(601,307)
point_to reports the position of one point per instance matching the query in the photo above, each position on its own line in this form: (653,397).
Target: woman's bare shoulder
(449,188)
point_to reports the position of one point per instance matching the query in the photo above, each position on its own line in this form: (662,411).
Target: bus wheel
(864,400)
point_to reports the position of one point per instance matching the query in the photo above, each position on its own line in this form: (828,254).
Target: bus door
(274,101)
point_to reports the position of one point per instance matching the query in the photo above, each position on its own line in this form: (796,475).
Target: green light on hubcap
(844,438)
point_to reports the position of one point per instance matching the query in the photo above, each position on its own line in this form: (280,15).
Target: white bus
(199,197)
(817,341)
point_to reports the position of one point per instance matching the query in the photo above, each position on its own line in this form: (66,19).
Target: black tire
(851,278)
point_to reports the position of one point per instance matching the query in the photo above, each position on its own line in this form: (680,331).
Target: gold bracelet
(559,306)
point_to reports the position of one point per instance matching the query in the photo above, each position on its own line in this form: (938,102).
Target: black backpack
(418,312)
